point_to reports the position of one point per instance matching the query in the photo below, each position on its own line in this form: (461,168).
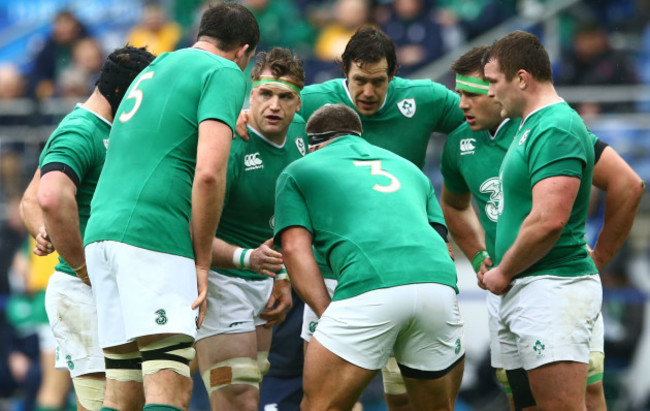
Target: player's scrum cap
(119,70)
(331,121)
(472,84)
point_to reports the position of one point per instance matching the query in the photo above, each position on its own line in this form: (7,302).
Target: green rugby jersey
(369,212)
(143,197)
(80,143)
(253,168)
(470,163)
(552,141)
(413,110)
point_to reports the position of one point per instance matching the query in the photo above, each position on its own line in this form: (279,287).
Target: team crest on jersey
(301,146)
(106,143)
(252,162)
(272,222)
(524,137)
(467,146)
(407,107)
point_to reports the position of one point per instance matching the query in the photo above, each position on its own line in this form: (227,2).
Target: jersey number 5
(375,170)
(137,95)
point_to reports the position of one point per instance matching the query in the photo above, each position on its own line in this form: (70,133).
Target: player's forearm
(465,229)
(621,204)
(61,218)
(306,277)
(207,201)
(536,238)
(30,211)
(222,254)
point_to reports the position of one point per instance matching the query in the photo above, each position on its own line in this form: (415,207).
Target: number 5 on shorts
(137,95)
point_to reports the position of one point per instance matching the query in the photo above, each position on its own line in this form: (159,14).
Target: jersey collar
(539,109)
(96,115)
(272,144)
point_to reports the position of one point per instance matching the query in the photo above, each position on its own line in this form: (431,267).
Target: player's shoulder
(328,87)
(81,123)
(424,86)
(460,132)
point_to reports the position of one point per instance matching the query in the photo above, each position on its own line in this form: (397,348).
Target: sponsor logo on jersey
(492,187)
(524,137)
(467,146)
(162,317)
(301,146)
(407,107)
(252,162)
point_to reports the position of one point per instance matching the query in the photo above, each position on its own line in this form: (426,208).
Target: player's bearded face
(272,108)
(368,85)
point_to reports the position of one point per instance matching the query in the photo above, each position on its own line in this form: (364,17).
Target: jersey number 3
(375,170)
(136,94)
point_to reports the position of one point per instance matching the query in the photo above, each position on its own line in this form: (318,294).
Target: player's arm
(301,265)
(553,199)
(624,189)
(208,191)
(263,259)
(58,202)
(462,222)
(32,216)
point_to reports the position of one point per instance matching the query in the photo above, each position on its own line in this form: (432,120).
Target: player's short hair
(119,70)
(330,121)
(230,25)
(520,50)
(470,62)
(282,62)
(369,45)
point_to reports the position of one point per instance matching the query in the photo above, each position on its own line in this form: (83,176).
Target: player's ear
(299,104)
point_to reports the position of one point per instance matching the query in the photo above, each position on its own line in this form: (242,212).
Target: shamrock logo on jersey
(524,137)
(539,347)
(312,326)
(407,107)
(301,146)
(69,361)
(457,350)
(162,317)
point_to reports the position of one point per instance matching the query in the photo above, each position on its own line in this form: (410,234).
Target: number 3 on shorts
(137,95)
(375,170)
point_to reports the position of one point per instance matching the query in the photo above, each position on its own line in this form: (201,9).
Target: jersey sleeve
(222,96)
(447,102)
(71,148)
(452,177)
(555,152)
(290,206)
(235,160)
(434,212)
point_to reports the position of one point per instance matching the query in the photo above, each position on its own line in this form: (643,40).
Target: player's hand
(43,244)
(265,260)
(496,282)
(202,287)
(485,266)
(279,304)
(240,126)
(82,273)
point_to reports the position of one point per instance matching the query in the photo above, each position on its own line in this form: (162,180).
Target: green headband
(277,81)
(472,84)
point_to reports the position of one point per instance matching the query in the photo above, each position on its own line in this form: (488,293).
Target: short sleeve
(555,152)
(222,96)
(290,206)
(452,177)
(70,148)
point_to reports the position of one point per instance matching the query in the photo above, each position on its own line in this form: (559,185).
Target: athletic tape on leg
(124,367)
(241,370)
(90,392)
(392,377)
(173,353)
(263,362)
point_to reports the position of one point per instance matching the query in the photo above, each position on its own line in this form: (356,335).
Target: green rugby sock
(160,407)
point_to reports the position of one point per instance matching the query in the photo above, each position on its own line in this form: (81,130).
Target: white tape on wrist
(236,257)
(241,258)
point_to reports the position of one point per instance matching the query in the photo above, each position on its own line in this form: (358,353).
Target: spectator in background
(348,16)
(56,53)
(466,19)
(417,36)
(12,82)
(281,25)
(155,31)
(79,78)
(591,62)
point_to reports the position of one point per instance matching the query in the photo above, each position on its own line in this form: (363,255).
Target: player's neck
(540,95)
(213,49)
(99,105)
(277,139)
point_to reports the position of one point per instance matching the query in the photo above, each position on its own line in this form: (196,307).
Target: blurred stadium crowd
(51,52)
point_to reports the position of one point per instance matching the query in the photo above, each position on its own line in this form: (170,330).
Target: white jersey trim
(97,115)
(271,143)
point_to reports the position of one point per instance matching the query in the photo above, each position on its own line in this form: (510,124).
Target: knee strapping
(502,377)
(173,353)
(90,392)
(596,367)
(263,362)
(241,370)
(124,367)
(392,377)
